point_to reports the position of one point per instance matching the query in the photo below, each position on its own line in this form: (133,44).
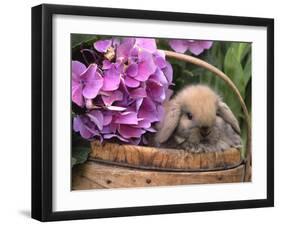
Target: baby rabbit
(197,120)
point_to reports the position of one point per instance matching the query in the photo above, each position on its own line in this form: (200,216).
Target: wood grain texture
(92,175)
(160,158)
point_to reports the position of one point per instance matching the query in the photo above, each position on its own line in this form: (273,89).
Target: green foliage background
(233,58)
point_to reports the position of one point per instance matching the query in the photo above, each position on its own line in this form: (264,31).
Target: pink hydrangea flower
(86,82)
(122,94)
(194,46)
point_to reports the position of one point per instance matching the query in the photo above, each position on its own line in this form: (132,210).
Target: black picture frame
(42,95)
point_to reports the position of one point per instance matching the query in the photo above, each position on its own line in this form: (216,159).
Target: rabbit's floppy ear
(169,122)
(225,112)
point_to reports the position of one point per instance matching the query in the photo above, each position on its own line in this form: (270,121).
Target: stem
(84,56)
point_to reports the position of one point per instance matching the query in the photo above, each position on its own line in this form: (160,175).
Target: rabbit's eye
(189,115)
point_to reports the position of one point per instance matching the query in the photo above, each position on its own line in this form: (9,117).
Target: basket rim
(164,159)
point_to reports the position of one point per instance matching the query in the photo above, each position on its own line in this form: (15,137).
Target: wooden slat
(150,157)
(92,175)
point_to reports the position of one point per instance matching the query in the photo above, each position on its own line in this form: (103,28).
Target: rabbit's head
(192,116)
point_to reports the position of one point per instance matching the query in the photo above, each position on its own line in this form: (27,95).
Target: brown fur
(209,115)
(201,101)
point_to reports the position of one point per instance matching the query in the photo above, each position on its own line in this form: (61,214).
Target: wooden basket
(112,165)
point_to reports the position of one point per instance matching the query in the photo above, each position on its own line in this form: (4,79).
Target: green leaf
(248,69)
(77,39)
(80,154)
(73,161)
(215,55)
(188,73)
(233,68)
(241,49)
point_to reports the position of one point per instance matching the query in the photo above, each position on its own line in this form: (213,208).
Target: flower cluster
(122,91)
(194,46)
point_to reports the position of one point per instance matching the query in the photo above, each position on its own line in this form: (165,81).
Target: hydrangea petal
(138,93)
(113,127)
(77,67)
(130,82)
(129,131)
(119,66)
(147,44)
(135,141)
(148,114)
(138,104)
(159,77)
(196,49)
(111,80)
(160,53)
(77,123)
(97,118)
(206,44)
(148,110)
(75,78)
(160,62)
(144,124)
(129,118)
(110,128)
(134,53)
(168,71)
(179,46)
(132,70)
(115,108)
(85,133)
(123,50)
(148,104)
(152,130)
(107,118)
(77,97)
(156,92)
(102,45)
(160,59)
(89,73)
(106,64)
(109,136)
(112,97)
(92,88)
(106,129)
(146,66)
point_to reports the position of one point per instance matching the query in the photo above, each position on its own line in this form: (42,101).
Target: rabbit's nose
(204,131)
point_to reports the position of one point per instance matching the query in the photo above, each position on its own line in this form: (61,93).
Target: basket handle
(224,77)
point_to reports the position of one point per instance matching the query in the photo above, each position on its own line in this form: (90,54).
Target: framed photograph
(146,112)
